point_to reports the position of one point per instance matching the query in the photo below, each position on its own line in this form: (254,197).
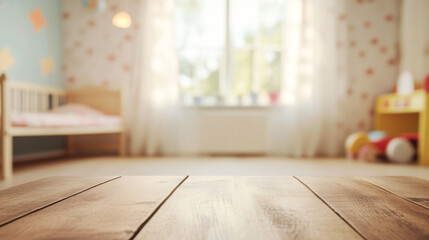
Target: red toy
(381,144)
(426,84)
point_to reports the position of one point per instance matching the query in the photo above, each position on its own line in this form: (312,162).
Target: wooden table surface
(216,208)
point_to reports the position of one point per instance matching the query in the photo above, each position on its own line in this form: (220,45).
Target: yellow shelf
(397,114)
(393,103)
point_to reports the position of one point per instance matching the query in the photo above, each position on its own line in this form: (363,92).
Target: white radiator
(233,131)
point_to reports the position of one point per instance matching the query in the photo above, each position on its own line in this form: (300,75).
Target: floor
(217,207)
(215,166)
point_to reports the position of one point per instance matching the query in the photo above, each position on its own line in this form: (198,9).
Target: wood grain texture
(412,188)
(372,211)
(113,210)
(245,208)
(20,200)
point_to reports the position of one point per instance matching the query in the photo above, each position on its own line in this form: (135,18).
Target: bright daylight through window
(230,51)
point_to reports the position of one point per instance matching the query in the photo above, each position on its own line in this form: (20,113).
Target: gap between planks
(245,208)
(128,207)
(330,207)
(55,202)
(393,192)
(157,208)
(396,214)
(409,193)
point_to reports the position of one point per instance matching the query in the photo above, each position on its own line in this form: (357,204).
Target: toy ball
(400,150)
(368,153)
(97,6)
(376,135)
(355,141)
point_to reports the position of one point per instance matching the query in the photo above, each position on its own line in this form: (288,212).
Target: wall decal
(37,19)
(46,65)
(6,59)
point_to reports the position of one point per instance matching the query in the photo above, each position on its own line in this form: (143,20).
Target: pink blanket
(69,115)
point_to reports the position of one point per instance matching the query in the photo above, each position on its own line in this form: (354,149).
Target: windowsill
(230,107)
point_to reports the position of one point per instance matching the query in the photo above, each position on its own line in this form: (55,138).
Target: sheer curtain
(151,95)
(415,38)
(315,71)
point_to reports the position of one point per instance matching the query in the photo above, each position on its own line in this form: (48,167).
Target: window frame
(226,65)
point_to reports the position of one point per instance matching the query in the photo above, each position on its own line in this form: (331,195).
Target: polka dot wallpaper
(97,53)
(372,58)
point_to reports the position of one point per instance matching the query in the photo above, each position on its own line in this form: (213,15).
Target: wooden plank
(372,211)
(111,211)
(21,200)
(412,188)
(245,208)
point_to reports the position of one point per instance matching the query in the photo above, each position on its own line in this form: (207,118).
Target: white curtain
(415,37)
(150,97)
(315,71)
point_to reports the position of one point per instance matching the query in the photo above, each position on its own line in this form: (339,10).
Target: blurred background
(332,87)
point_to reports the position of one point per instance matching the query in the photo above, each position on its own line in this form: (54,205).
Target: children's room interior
(231,87)
(214,119)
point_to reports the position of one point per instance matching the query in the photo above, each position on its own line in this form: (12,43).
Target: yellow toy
(354,142)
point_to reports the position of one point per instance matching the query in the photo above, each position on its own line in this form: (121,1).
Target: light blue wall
(28,46)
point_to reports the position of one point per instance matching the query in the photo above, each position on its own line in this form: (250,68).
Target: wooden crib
(25,97)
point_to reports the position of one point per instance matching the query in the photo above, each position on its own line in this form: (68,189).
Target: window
(230,51)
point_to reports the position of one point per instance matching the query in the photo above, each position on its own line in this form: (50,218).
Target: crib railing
(25,97)
(18,97)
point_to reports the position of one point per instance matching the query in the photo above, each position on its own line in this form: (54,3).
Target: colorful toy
(400,150)
(368,153)
(381,144)
(354,142)
(377,145)
(376,135)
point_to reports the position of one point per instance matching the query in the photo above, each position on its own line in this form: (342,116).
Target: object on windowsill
(254,97)
(274,97)
(220,100)
(197,100)
(405,83)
